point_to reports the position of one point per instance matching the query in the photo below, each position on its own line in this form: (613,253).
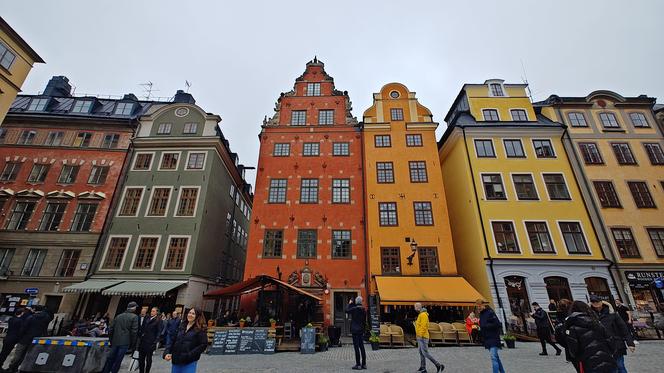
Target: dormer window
(82,106)
(190,128)
(164,128)
(124,108)
(490,115)
(7,57)
(519,115)
(496,90)
(609,120)
(313,89)
(38,104)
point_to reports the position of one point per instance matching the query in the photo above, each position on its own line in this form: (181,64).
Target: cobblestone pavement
(648,358)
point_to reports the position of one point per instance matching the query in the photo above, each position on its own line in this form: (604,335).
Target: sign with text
(308,340)
(242,341)
(643,279)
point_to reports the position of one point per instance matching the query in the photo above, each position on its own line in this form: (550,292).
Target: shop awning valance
(91,286)
(442,291)
(143,288)
(254,284)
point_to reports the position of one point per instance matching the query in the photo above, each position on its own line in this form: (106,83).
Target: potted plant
(375,341)
(509,339)
(273,323)
(242,321)
(323,342)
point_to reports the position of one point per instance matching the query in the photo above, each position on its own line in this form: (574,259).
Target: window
(590,153)
(145,253)
(484,149)
(382,141)
(623,153)
(164,128)
(387,212)
(10,171)
(519,115)
(177,250)
(98,175)
(159,202)
(309,191)
(418,171)
(340,149)
(115,252)
(577,119)
(514,149)
(385,172)
(54,138)
(110,141)
(196,161)
(606,194)
(657,239)
(85,214)
(390,260)
(539,237)
(313,89)
(6,256)
(493,187)
(396,114)
(555,185)
(38,104)
(341,244)
(277,193)
(124,108)
(524,186)
(573,237)
(27,137)
(298,117)
(132,200)
(306,243)
(68,263)
(625,243)
(496,90)
(544,149)
(414,140)
(33,263)
(83,139)
(423,213)
(273,243)
(143,161)
(38,173)
(190,128)
(169,161)
(187,203)
(311,149)
(20,216)
(7,57)
(52,216)
(490,115)
(340,190)
(68,174)
(638,120)
(325,117)
(281,150)
(609,120)
(505,236)
(641,194)
(428,257)
(655,153)
(81,106)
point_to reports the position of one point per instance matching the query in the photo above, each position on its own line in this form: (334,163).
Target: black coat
(35,325)
(542,320)
(616,329)
(14,325)
(490,328)
(149,334)
(586,342)
(358,318)
(187,345)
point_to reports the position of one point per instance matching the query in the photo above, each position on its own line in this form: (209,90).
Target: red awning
(253,284)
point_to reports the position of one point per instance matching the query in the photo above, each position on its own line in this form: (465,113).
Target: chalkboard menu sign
(308,340)
(374,315)
(242,341)
(270,344)
(218,343)
(232,341)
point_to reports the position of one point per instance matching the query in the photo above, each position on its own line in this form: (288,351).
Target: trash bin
(66,354)
(334,332)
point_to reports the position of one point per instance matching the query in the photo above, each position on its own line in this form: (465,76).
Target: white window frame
(140,201)
(516,196)
(170,129)
(186,253)
(124,256)
(553,147)
(195,126)
(135,254)
(186,166)
(502,181)
(516,234)
(168,204)
(491,108)
(502,87)
(161,159)
(569,191)
(583,232)
(177,206)
(519,108)
(548,228)
(133,164)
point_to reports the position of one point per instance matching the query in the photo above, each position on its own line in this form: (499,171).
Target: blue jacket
(172,326)
(490,328)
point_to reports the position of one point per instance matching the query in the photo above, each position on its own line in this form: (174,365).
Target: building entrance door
(341,319)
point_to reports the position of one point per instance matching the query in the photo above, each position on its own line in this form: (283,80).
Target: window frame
(136,252)
(327,119)
(276,240)
(419,170)
(608,115)
(339,195)
(660,233)
(308,192)
(385,172)
(553,250)
(110,141)
(382,141)
(148,213)
(656,157)
(626,252)
(42,174)
(22,220)
(428,221)
(581,232)
(414,140)
(588,160)
(189,154)
(484,186)
(177,161)
(106,256)
(308,240)
(66,264)
(100,177)
(500,92)
(608,190)
(77,225)
(642,117)
(515,235)
(620,150)
(298,118)
(312,146)
(315,89)
(334,243)
(548,191)
(429,259)
(396,114)
(484,141)
(645,200)
(577,113)
(343,145)
(84,108)
(553,155)
(123,201)
(123,108)
(390,257)
(152,157)
(513,141)
(54,138)
(12,175)
(521,111)
(278,188)
(164,129)
(26,137)
(179,201)
(490,112)
(52,222)
(38,258)
(188,126)
(391,214)
(73,170)
(281,149)
(532,180)
(83,140)
(3,56)
(169,242)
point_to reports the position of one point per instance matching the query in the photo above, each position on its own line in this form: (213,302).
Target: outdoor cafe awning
(441,291)
(143,288)
(254,284)
(90,286)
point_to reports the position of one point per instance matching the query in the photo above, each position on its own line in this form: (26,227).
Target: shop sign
(32,291)
(643,279)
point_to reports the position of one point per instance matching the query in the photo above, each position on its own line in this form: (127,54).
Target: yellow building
(616,148)
(411,256)
(520,226)
(16,61)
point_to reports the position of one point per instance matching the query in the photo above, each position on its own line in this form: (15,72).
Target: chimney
(58,86)
(129,97)
(183,97)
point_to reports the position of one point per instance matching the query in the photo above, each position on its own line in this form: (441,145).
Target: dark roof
(558,100)
(658,107)
(19,40)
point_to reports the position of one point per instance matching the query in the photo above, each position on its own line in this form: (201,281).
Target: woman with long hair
(586,341)
(187,345)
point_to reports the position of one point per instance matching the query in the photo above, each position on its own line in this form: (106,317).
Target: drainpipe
(367,274)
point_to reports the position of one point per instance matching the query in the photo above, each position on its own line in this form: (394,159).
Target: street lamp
(413,249)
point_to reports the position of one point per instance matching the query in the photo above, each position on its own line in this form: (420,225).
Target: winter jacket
(36,325)
(358,318)
(541,320)
(187,345)
(616,329)
(149,334)
(490,328)
(124,330)
(172,326)
(14,325)
(422,325)
(586,342)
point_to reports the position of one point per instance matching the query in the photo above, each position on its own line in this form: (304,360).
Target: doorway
(341,319)
(519,303)
(52,303)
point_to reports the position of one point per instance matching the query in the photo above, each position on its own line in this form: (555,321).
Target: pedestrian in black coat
(186,348)
(14,325)
(543,323)
(358,319)
(490,328)
(616,329)
(148,337)
(586,340)
(35,325)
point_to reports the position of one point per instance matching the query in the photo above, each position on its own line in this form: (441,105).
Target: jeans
(114,359)
(620,361)
(358,345)
(423,347)
(19,355)
(144,361)
(495,361)
(186,368)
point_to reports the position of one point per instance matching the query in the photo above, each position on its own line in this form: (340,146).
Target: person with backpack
(544,326)
(586,341)
(616,329)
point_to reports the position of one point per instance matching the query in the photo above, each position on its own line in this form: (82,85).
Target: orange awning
(441,291)
(254,284)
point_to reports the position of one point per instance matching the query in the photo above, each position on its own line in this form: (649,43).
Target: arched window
(517,296)
(600,287)
(557,288)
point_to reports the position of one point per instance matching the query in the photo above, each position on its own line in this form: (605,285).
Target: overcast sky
(239,55)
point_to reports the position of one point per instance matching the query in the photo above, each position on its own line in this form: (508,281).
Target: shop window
(557,288)
(517,295)
(599,287)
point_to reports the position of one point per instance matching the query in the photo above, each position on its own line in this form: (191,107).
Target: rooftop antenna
(147,87)
(187,84)
(524,78)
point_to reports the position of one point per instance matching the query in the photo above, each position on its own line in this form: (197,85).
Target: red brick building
(307,226)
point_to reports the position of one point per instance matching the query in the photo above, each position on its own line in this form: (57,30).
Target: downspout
(486,243)
(367,274)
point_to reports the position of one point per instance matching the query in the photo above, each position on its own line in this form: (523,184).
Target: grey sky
(239,55)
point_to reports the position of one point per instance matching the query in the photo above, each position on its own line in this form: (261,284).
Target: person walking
(35,325)
(616,329)
(172,327)
(586,341)
(358,318)
(544,326)
(14,325)
(422,335)
(490,331)
(122,334)
(149,336)
(189,342)
(626,315)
